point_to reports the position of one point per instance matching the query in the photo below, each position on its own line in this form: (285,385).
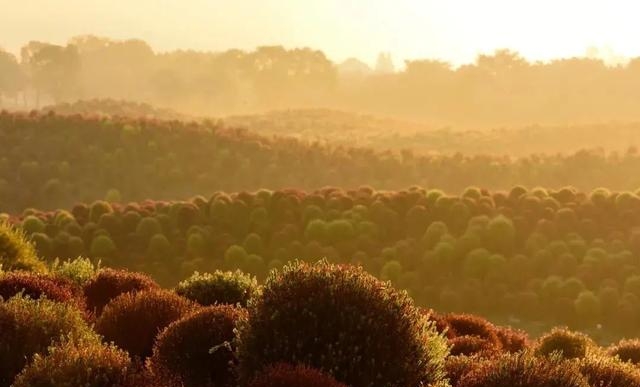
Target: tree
(53,69)
(12,79)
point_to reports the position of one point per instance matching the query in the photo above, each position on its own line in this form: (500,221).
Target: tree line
(497,89)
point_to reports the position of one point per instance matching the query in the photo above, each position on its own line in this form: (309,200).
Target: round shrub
(458,366)
(470,325)
(523,370)
(16,253)
(219,288)
(31,326)
(70,364)
(342,321)
(102,247)
(568,344)
(32,224)
(512,340)
(287,375)
(36,286)
(133,320)
(626,351)
(472,345)
(603,372)
(79,270)
(109,284)
(198,350)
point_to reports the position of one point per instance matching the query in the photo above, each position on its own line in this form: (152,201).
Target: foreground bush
(133,320)
(287,375)
(109,284)
(344,322)
(198,350)
(458,366)
(523,370)
(16,253)
(71,364)
(568,344)
(30,326)
(626,351)
(36,286)
(603,372)
(218,288)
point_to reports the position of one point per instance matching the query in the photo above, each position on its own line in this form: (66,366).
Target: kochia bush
(341,321)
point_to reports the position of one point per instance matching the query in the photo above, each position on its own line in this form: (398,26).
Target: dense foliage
(132,320)
(342,321)
(108,284)
(218,288)
(16,253)
(87,365)
(287,375)
(30,326)
(53,161)
(524,255)
(198,350)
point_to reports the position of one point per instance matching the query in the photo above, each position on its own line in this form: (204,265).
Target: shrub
(133,320)
(103,247)
(16,253)
(342,321)
(568,344)
(198,350)
(287,375)
(30,326)
(512,340)
(603,372)
(36,286)
(458,366)
(626,351)
(70,364)
(469,325)
(523,370)
(32,224)
(109,284)
(218,288)
(472,345)
(79,270)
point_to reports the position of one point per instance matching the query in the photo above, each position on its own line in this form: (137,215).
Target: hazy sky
(452,30)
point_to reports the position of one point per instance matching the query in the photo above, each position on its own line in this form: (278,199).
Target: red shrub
(523,370)
(109,284)
(472,345)
(469,325)
(132,320)
(458,366)
(286,375)
(512,340)
(182,352)
(603,372)
(35,286)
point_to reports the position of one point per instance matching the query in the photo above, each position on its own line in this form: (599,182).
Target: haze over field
(319,193)
(454,31)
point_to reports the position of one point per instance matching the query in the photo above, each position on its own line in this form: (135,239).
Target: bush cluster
(341,321)
(218,288)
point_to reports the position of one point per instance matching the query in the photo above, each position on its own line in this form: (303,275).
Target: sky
(451,30)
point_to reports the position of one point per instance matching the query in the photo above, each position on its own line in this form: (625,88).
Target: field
(134,231)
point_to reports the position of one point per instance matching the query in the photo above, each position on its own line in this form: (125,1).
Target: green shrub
(287,375)
(79,270)
(218,288)
(565,343)
(342,321)
(523,370)
(16,253)
(99,208)
(72,364)
(32,224)
(198,350)
(31,326)
(103,247)
(133,320)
